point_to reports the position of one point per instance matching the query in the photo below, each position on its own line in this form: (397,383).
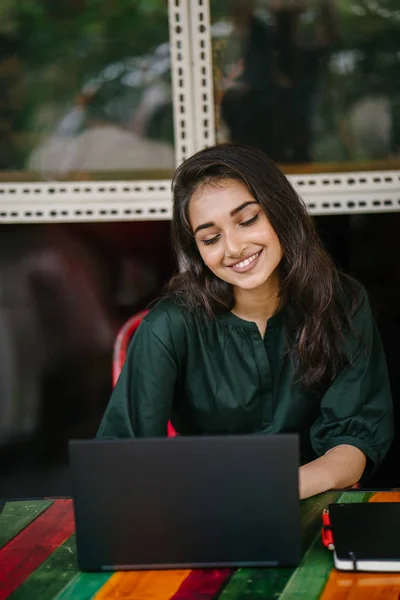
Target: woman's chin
(255,281)
(250,283)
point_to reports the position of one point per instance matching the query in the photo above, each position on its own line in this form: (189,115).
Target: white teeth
(246,262)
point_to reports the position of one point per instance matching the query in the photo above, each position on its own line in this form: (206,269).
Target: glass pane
(314,83)
(85,90)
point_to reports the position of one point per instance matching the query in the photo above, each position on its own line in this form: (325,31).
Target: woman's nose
(234,245)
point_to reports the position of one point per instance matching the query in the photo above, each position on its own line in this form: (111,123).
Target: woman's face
(233,234)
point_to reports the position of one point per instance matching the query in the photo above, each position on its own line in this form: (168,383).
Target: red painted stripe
(24,553)
(203,584)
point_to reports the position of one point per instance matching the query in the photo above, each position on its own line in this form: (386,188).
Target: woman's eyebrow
(233,212)
(236,210)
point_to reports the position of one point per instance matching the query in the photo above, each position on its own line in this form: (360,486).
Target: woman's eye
(250,221)
(211,241)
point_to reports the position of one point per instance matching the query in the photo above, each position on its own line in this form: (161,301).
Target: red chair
(121,347)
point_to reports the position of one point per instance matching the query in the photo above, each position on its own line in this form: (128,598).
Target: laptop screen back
(186,501)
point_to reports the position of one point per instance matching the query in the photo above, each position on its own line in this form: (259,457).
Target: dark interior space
(67,289)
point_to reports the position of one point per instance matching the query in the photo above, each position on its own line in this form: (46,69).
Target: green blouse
(219,376)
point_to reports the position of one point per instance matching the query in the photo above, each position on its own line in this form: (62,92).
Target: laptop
(162,503)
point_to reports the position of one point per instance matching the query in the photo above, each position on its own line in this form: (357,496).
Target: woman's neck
(258,304)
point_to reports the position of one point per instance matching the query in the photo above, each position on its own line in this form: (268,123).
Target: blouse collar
(232,319)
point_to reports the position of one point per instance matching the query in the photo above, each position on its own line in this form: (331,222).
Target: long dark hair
(317,309)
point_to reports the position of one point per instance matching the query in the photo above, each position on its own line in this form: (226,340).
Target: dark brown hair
(317,310)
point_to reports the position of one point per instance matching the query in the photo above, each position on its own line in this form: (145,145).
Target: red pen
(326,532)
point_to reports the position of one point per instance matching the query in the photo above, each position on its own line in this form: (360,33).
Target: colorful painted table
(37,562)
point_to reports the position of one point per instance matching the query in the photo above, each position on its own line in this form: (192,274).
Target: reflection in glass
(85,90)
(309,81)
(65,290)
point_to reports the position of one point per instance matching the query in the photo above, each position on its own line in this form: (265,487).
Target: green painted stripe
(255,584)
(269,583)
(308,580)
(84,586)
(17,515)
(353,497)
(52,576)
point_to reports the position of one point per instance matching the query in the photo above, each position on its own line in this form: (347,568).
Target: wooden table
(37,562)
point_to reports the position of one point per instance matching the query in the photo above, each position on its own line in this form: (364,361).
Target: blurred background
(85,88)
(320,76)
(85,94)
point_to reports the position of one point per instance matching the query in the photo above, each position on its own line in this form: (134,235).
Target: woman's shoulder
(164,310)
(167,317)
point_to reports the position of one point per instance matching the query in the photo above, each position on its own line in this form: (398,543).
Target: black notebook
(366,536)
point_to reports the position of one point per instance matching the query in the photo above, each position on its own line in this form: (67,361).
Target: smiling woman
(258,331)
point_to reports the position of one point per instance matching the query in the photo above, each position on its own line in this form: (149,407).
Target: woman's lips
(246,264)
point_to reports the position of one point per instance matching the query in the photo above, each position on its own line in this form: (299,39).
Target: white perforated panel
(84,201)
(332,193)
(358,181)
(202,74)
(182,72)
(346,193)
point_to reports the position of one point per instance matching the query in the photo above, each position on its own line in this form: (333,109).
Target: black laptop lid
(186,501)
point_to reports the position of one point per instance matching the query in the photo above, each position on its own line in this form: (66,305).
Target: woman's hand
(341,467)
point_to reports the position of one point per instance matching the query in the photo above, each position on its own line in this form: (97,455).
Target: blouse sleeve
(141,402)
(357,407)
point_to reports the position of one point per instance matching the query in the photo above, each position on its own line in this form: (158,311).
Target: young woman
(258,332)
